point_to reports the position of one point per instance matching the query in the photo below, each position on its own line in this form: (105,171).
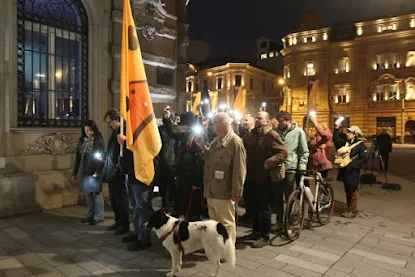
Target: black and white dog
(179,237)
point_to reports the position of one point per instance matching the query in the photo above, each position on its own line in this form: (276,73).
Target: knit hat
(355,130)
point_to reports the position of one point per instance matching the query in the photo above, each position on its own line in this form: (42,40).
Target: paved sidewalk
(55,243)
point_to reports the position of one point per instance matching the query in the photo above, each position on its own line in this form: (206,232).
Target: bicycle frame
(313,202)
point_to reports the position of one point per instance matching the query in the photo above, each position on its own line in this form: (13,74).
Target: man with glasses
(113,175)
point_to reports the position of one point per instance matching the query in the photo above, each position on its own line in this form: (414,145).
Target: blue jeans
(140,197)
(95,203)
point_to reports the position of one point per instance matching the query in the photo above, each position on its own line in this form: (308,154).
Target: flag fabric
(143,138)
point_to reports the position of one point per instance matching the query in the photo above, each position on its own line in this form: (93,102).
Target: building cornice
(149,59)
(157,93)
(142,26)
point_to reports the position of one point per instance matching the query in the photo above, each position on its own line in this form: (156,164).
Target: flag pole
(122,133)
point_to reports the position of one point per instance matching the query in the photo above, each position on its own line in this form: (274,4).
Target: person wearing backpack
(349,172)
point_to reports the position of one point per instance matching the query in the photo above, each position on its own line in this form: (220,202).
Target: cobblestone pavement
(57,244)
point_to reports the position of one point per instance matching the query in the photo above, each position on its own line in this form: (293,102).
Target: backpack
(343,158)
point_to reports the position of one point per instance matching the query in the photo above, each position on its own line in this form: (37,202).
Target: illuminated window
(412,23)
(393,95)
(393,63)
(380,94)
(325,36)
(410,59)
(238,79)
(313,38)
(189,86)
(342,96)
(379,29)
(294,41)
(359,31)
(287,74)
(219,83)
(343,65)
(271,54)
(263,56)
(310,69)
(380,61)
(290,41)
(305,39)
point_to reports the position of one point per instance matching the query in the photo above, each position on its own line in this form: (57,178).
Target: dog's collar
(163,237)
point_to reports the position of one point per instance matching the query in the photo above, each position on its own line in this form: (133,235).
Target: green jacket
(296,141)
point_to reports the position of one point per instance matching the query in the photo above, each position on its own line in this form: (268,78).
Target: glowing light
(412,23)
(197,130)
(264,104)
(209,73)
(223,106)
(98,156)
(359,31)
(312,113)
(294,41)
(58,74)
(237,115)
(374,97)
(206,101)
(379,29)
(325,36)
(281,81)
(210,114)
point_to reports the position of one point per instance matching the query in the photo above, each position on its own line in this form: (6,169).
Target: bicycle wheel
(294,216)
(325,203)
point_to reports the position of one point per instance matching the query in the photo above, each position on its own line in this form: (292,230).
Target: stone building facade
(366,72)
(60,65)
(240,86)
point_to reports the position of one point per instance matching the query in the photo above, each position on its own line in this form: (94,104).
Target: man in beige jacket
(224,172)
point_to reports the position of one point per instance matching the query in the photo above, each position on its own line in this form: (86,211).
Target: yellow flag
(143,138)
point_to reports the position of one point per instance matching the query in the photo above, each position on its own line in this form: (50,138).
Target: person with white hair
(224,172)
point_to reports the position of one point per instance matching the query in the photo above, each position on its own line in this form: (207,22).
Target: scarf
(87,146)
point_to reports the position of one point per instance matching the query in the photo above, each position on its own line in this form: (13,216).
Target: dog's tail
(229,252)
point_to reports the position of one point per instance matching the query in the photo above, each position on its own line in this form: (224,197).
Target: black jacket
(168,153)
(384,143)
(350,175)
(112,159)
(89,164)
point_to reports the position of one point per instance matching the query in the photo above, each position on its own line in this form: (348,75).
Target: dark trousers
(281,188)
(257,198)
(385,158)
(352,197)
(140,197)
(167,185)
(119,202)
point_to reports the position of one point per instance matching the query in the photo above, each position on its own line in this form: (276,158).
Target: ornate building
(365,72)
(61,65)
(239,85)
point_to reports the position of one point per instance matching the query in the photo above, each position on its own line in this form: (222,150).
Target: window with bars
(380,93)
(52,63)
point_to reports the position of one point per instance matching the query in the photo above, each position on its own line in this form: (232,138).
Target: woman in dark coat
(189,167)
(87,165)
(350,175)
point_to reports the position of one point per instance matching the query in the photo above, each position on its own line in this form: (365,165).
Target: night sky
(232,26)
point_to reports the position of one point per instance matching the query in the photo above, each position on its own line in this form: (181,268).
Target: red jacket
(319,155)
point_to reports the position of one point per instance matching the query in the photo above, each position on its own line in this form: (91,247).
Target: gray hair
(224,117)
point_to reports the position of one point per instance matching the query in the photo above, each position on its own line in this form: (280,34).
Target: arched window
(52,63)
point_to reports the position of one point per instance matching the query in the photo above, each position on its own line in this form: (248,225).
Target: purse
(112,171)
(343,158)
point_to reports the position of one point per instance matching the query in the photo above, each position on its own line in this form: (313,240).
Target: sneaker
(278,226)
(251,236)
(129,238)
(259,243)
(95,222)
(86,220)
(138,245)
(112,227)
(122,230)
(349,215)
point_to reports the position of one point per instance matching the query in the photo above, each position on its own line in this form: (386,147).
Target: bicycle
(321,202)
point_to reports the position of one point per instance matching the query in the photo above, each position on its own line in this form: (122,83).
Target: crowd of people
(207,164)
